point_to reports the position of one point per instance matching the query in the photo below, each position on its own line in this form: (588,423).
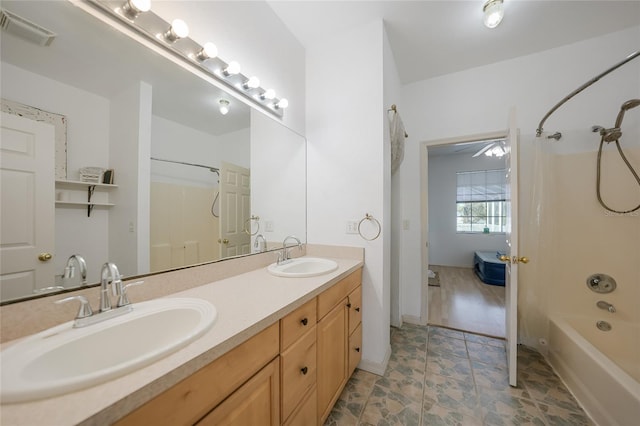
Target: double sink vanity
(264,344)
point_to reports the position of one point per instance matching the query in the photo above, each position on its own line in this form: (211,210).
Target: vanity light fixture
(132,8)
(232,68)
(208,51)
(493,13)
(204,58)
(268,94)
(252,82)
(224,106)
(282,103)
(178,29)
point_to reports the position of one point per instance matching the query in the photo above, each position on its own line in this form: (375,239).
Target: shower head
(631,103)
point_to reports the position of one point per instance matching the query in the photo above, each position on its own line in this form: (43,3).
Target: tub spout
(606,306)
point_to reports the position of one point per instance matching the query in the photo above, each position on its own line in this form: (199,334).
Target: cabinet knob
(304,371)
(357,309)
(348,305)
(304,321)
(357,349)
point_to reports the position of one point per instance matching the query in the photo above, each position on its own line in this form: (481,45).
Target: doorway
(463,215)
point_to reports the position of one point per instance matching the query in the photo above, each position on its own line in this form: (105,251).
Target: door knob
(522,259)
(225,241)
(43,257)
(505,258)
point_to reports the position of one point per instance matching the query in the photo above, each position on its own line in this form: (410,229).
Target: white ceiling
(431,38)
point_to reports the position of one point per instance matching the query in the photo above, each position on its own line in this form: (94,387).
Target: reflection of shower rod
(213,169)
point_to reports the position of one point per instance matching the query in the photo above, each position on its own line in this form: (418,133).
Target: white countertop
(246,303)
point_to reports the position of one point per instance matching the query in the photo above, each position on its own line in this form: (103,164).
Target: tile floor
(438,376)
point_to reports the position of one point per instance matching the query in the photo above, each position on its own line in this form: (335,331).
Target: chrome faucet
(606,306)
(109,275)
(284,256)
(257,243)
(70,269)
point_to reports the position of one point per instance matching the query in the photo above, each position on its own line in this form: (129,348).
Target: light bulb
(252,83)
(178,29)
(232,69)
(268,94)
(224,106)
(282,103)
(493,13)
(208,51)
(132,8)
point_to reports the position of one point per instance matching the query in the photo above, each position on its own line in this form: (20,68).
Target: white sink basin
(64,359)
(303,267)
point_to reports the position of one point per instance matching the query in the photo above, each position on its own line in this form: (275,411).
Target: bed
(488,267)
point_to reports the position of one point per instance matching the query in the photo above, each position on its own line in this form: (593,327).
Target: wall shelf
(90,187)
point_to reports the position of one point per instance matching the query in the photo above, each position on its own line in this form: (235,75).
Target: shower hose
(633,172)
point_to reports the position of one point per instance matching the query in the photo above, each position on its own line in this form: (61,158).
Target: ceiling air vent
(23,28)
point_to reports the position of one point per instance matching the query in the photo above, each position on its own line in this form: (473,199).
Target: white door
(512,257)
(235,210)
(27,214)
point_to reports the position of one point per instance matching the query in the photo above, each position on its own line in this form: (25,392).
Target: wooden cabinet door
(257,402)
(355,349)
(332,357)
(355,308)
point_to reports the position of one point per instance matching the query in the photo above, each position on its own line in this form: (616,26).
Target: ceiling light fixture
(178,29)
(252,82)
(224,106)
(132,8)
(208,51)
(232,68)
(493,13)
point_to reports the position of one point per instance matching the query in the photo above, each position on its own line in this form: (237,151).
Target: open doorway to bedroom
(465,215)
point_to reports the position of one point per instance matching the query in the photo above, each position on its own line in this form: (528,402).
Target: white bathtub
(602,369)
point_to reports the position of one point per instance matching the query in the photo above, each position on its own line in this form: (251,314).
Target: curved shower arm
(584,86)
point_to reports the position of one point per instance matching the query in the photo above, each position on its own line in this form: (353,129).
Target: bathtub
(603,372)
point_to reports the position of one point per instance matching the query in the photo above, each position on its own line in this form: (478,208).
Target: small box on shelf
(107,176)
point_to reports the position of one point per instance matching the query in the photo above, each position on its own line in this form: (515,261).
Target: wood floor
(465,303)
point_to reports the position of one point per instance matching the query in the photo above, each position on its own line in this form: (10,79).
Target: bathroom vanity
(280,352)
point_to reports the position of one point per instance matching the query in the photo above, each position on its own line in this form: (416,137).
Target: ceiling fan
(493,148)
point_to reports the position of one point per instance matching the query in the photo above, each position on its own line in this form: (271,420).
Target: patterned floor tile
(488,354)
(490,376)
(450,366)
(557,416)
(476,338)
(437,415)
(451,393)
(441,345)
(340,416)
(441,331)
(386,407)
(501,408)
(550,390)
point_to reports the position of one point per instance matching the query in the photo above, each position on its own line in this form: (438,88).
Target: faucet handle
(85,307)
(123,300)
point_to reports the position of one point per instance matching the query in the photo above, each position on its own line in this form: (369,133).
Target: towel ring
(247,225)
(367,216)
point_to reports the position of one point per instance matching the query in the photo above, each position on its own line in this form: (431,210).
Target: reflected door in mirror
(235,210)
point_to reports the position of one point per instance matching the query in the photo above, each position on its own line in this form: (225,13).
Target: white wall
(477,101)
(87,145)
(346,164)
(252,34)
(446,246)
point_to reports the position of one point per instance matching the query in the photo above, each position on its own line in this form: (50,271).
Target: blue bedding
(488,267)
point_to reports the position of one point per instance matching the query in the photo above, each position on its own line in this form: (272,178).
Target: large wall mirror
(189,184)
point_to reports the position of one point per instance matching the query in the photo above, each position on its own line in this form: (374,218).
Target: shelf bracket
(90,190)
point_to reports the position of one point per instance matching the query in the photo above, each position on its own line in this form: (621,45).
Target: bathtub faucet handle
(607,306)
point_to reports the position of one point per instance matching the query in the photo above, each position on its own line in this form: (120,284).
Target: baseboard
(376,367)
(411,319)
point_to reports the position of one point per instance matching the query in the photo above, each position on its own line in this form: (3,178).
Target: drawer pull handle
(304,321)
(357,309)
(304,371)
(357,349)
(348,305)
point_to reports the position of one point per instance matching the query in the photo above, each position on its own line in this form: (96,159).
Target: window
(480,201)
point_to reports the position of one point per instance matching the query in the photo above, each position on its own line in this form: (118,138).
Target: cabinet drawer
(297,323)
(355,349)
(195,396)
(305,414)
(298,371)
(354,303)
(334,295)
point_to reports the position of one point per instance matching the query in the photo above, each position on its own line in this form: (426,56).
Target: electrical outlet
(131,227)
(405,225)
(268,225)
(352,227)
